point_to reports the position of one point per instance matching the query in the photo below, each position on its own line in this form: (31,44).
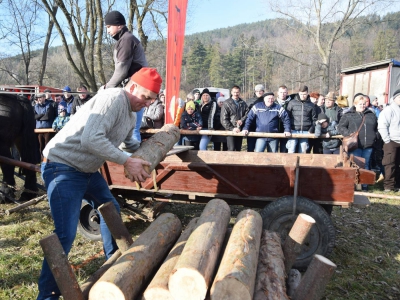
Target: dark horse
(17,125)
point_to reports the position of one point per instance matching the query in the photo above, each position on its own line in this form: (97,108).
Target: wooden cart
(283,185)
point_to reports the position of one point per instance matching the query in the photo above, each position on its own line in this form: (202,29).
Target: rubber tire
(86,226)
(277,216)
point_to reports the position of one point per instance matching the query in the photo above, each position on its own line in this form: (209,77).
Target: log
(158,287)
(236,274)
(376,195)
(156,147)
(87,285)
(312,285)
(296,237)
(26,204)
(116,226)
(193,272)
(131,272)
(270,281)
(60,267)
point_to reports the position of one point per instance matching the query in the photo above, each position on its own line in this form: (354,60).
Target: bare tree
(19,29)
(322,23)
(85,26)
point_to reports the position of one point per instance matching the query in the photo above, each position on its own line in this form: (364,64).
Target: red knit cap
(148,78)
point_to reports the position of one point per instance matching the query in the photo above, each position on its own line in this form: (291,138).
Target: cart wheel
(277,216)
(89,222)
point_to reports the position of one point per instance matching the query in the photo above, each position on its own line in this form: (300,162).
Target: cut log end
(307,218)
(157,293)
(106,291)
(185,283)
(230,288)
(324,260)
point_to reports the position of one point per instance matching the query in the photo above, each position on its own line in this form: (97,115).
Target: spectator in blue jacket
(45,113)
(265,117)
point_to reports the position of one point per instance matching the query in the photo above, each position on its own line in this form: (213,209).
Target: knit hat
(195,91)
(221,99)
(114,18)
(40,95)
(372,98)
(46,91)
(205,91)
(259,87)
(396,93)
(359,94)
(322,118)
(67,89)
(148,78)
(269,94)
(191,105)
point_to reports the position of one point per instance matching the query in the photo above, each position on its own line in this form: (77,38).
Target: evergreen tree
(357,51)
(217,71)
(197,66)
(385,45)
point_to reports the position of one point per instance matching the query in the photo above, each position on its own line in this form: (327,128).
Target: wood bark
(156,147)
(296,237)
(116,226)
(270,281)
(312,285)
(293,281)
(131,272)
(193,272)
(87,285)
(236,274)
(158,287)
(60,267)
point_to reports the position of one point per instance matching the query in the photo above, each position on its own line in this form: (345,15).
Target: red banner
(175,39)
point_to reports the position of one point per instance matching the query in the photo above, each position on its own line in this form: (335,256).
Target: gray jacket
(156,113)
(389,123)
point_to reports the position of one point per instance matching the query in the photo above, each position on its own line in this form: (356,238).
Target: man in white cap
(389,129)
(101,129)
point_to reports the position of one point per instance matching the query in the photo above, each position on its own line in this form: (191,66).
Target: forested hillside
(268,52)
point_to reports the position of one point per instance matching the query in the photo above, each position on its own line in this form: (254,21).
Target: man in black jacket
(259,91)
(233,114)
(302,119)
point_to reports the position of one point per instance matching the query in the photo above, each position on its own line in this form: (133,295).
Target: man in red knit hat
(101,129)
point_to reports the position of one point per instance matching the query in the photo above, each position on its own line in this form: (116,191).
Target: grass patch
(367,250)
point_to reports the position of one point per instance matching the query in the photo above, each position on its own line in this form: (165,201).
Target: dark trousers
(44,138)
(282,145)
(251,143)
(391,161)
(217,146)
(315,145)
(331,151)
(234,143)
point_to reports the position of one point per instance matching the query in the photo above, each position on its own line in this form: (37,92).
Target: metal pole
(296,185)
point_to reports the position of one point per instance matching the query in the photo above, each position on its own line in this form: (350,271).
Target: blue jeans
(366,154)
(292,143)
(205,139)
(262,143)
(136,131)
(66,187)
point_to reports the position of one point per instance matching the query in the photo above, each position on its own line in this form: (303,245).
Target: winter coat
(69,101)
(60,122)
(302,114)
(207,113)
(191,122)
(231,113)
(266,119)
(45,114)
(351,121)
(155,112)
(334,113)
(332,130)
(78,102)
(284,104)
(389,123)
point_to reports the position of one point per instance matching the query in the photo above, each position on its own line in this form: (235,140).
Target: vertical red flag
(175,39)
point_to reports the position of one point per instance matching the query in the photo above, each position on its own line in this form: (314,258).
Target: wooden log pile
(207,260)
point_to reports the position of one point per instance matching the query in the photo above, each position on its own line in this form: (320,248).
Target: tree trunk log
(26,204)
(236,274)
(131,272)
(156,147)
(296,237)
(116,226)
(270,281)
(293,281)
(312,285)
(158,287)
(60,267)
(193,272)
(87,285)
